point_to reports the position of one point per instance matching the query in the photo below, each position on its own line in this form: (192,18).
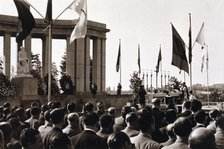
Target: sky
(147,23)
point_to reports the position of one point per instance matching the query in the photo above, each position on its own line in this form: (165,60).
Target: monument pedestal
(25,86)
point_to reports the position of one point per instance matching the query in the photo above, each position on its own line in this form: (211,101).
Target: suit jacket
(178,144)
(47,136)
(130,131)
(88,139)
(144,141)
(219,137)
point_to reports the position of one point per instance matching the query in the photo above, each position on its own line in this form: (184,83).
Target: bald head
(73,117)
(201,138)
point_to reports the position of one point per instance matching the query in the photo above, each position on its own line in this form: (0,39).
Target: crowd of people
(53,126)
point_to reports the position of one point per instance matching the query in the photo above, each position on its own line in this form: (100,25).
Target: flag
(26,19)
(179,57)
(190,42)
(118,58)
(48,15)
(201,38)
(139,65)
(159,60)
(204,59)
(80,7)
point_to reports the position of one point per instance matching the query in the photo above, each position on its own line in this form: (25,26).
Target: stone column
(87,64)
(103,68)
(97,63)
(7,53)
(70,60)
(28,49)
(45,55)
(80,64)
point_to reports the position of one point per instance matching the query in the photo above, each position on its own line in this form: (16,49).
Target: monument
(25,83)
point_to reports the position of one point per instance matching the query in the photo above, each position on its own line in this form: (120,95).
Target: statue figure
(23,62)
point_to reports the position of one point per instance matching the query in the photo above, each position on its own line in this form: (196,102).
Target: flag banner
(26,19)
(190,42)
(204,58)
(48,15)
(159,60)
(139,61)
(201,38)
(179,57)
(80,7)
(118,58)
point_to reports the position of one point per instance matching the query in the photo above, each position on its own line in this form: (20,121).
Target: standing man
(119,87)
(184,91)
(141,95)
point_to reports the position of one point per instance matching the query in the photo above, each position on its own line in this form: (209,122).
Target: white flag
(80,7)
(204,58)
(201,37)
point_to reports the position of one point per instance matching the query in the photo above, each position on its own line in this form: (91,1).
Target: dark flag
(139,64)
(159,60)
(26,19)
(118,58)
(190,41)
(48,16)
(179,57)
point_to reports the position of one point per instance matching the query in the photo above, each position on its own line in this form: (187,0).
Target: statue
(23,62)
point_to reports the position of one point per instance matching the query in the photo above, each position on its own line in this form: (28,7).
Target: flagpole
(207,76)
(190,52)
(49,61)
(120,60)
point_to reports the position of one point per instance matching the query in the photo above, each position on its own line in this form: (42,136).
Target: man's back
(47,136)
(88,139)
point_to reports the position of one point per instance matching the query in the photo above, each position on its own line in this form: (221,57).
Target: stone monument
(25,83)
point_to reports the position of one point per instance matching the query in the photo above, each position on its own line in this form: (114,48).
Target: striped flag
(179,58)
(139,61)
(159,60)
(26,19)
(118,57)
(80,7)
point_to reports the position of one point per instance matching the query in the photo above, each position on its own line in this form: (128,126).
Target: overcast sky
(145,22)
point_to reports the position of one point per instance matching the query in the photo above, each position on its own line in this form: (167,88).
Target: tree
(63,64)
(54,85)
(6,88)
(66,85)
(36,63)
(1,65)
(174,83)
(135,83)
(54,71)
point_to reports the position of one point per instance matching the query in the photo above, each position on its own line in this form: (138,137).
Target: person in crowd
(44,108)
(184,91)
(31,139)
(47,123)
(94,89)
(119,87)
(119,140)
(201,138)
(182,129)
(213,114)
(186,109)
(34,119)
(70,108)
(120,123)
(146,125)
(100,106)
(21,115)
(88,139)
(57,118)
(106,126)
(112,112)
(191,96)
(73,125)
(132,128)
(16,130)
(141,95)
(196,106)
(200,119)
(6,129)
(88,107)
(2,140)
(61,141)
(219,135)
(170,134)
(159,116)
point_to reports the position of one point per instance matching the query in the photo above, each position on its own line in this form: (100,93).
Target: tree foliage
(175,83)
(135,83)
(6,88)
(63,64)
(66,85)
